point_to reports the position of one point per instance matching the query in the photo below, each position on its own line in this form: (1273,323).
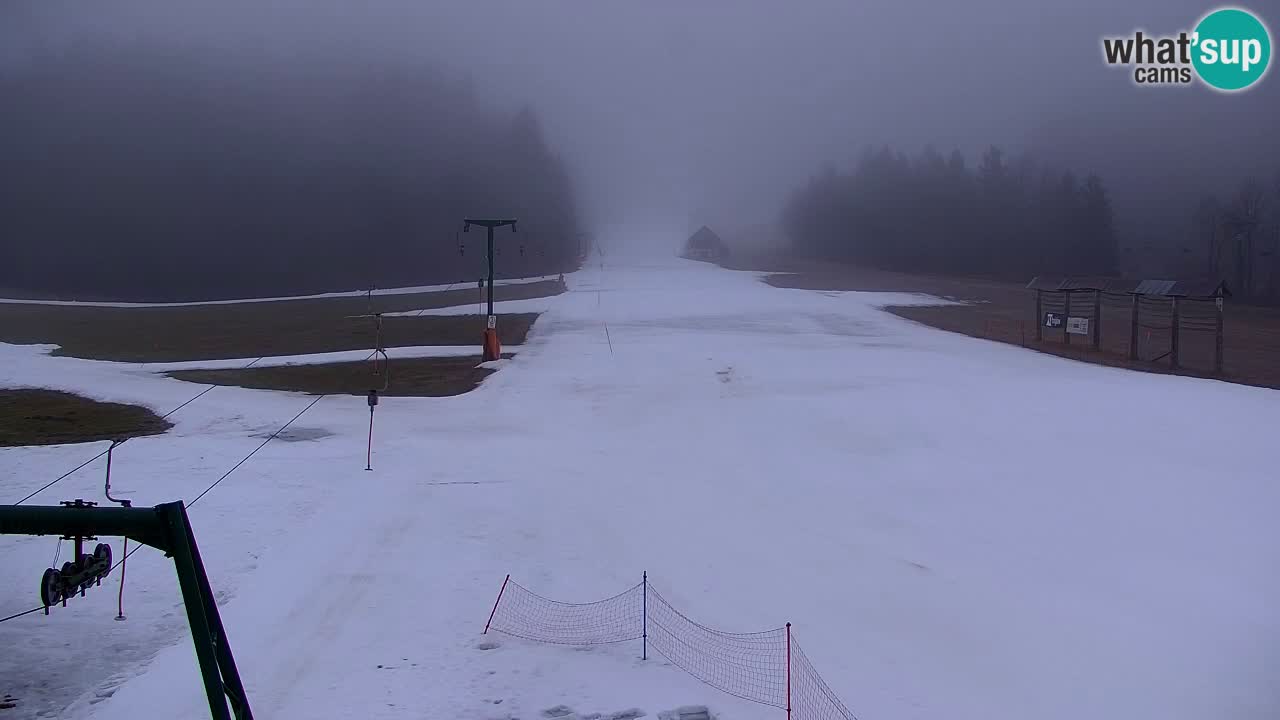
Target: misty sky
(671,111)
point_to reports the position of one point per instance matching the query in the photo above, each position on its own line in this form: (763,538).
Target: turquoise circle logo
(1232,49)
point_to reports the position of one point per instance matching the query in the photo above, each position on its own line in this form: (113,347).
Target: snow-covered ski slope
(957,529)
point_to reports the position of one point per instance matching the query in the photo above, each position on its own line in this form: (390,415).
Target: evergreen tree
(1011,218)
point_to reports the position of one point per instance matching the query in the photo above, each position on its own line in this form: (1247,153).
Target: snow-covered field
(957,529)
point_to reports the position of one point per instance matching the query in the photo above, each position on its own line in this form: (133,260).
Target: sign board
(1078,325)
(1052,320)
(493,321)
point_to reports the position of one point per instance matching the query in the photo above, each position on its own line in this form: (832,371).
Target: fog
(674,114)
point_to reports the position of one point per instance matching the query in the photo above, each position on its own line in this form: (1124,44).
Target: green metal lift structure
(166,528)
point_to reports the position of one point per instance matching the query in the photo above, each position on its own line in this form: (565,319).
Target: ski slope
(957,529)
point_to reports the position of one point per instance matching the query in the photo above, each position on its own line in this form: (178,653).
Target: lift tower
(492,348)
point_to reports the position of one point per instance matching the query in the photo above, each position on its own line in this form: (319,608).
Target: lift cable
(224,476)
(197,498)
(72,471)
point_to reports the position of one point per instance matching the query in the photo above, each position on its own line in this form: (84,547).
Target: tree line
(934,213)
(136,171)
(1236,238)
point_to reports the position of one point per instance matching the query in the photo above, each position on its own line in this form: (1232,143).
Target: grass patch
(253,329)
(409,377)
(1004,311)
(52,417)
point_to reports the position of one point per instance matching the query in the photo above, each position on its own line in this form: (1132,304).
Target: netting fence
(767,667)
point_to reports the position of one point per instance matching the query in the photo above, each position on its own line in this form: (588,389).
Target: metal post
(166,528)
(1176,331)
(201,632)
(492,348)
(107,488)
(1039,316)
(1097,320)
(644,615)
(124,559)
(1217,349)
(368,453)
(1066,320)
(373,402)
(221,645)
(788,671)
(495,604)
(490,271)
(1133,327)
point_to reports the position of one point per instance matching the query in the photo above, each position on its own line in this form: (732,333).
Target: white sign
(493,321)
(1078,325)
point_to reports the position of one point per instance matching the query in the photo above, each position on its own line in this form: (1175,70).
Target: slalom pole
(373,402)
(120,596)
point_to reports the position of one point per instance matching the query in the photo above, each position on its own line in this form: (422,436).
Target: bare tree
(1242,221)
(1208,223)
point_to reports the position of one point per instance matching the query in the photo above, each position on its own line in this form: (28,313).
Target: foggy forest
(934,214)
(609,360)
(295,177)
(182,151)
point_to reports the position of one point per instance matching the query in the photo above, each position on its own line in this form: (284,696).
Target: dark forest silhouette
(1237,239)
(142,172)
(935,214)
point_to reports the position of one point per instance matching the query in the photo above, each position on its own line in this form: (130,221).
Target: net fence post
(1133,327)
(495,604)
(788,671)
(1039,316)
(644,615)
(1066,336)
(1217,338)
(1097,320)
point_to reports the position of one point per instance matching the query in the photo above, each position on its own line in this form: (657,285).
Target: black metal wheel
(102,556)
(51,587)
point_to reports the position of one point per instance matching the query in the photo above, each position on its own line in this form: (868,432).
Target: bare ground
(1004,311)
(246,330)
(255,329)
(51,417)
(408,377)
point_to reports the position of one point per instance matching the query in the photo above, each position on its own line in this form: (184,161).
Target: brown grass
(248,330)
(51,417)
(1005,312)
(408,377)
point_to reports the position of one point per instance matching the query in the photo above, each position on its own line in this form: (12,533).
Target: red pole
(495,604)
(124,549)
(788,671)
